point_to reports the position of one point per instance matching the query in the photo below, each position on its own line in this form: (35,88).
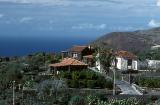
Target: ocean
(24,46)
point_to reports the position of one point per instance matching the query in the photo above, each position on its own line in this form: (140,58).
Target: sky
(24,23)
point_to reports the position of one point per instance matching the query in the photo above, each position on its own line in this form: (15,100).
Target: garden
(86,79)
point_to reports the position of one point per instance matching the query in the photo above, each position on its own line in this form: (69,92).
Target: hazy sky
(83,19)
(71,17)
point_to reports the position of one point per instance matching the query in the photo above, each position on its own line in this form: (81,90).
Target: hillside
(131,41)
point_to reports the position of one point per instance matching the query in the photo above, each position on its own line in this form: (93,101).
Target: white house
(124,61)
(155,64)
(156,46)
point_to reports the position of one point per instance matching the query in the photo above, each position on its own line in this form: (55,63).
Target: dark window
(129,62)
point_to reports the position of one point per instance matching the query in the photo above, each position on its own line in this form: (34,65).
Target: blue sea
(24,46)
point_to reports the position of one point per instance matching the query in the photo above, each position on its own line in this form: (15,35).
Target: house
(77,52)
(155,47)
(154,64)
(124,61)
(89,59)
(68,64)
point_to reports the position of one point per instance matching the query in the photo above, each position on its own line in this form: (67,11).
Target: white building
(156,46)
(124,61)
(155,64)
(98,64)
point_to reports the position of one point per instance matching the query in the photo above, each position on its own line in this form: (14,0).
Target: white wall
(154,63)
(98,65)
(122,64)
(118,62)
(135,65)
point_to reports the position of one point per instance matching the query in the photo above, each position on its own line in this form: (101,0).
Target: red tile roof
(77,48)
(125,54)
(88,56)
(68,62)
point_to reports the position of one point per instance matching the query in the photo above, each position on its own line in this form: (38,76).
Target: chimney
(89,46)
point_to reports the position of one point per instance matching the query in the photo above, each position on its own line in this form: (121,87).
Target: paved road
(125,87)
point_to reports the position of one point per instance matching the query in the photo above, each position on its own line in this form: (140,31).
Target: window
(75,55)
(129,62)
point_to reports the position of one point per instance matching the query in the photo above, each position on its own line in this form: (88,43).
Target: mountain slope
(130,41)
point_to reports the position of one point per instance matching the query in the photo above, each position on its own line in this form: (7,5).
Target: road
(125,87)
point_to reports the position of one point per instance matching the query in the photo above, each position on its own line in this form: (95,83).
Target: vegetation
(24,71)
(86,79)
(105,56)
(48,90)
(150,82)
(150,54)
(95,100)
(76,100)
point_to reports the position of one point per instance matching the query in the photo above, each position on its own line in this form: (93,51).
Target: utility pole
(22,94)
(13,92)
(114,78)
(114,82)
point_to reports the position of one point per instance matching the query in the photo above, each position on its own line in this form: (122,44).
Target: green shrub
(83,83)
(66,75)
(89,75)
(130,101)
(101,81)
(76,100)
(73,83)
(149,82)
(95,76)
(91,84)
(109,84)
(86,79)
(82,75)
(75,75)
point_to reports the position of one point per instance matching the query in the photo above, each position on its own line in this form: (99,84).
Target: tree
(106,58)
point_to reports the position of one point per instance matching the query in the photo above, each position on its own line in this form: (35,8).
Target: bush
(66,75)
(76,100)
(73,83)
(75,75)
(83,83)
(109,84)
(91,84)
(89,75)
(82,75)
(86,79)
(149,82)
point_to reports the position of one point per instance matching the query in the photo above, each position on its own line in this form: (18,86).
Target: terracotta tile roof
(68,62)
(77,48)
(125,54)
(88,56)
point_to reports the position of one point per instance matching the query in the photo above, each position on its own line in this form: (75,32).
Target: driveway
(125,87)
